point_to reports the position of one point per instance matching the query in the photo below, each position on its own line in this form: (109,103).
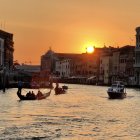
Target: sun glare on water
(90,49)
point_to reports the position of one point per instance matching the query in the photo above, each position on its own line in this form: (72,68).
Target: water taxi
(117,90)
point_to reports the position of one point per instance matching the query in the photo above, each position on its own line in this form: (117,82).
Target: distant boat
(23,97)
(117,90)
(65,87)
(59,91)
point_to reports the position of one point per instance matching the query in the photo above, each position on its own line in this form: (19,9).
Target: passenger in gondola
(58,89)
(51,84)
(39,94)
(33,95)
(57,85)
(29,94)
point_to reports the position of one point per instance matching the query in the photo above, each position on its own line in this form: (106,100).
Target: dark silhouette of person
(58,89)
(39,94)
(28,95)
(20,85)
(33,95)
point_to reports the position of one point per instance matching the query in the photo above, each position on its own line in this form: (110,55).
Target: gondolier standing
(20,85)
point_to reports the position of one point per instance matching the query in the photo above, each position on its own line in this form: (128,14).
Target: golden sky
(68,25)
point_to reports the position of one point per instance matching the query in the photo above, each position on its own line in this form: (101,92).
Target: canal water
(83,113)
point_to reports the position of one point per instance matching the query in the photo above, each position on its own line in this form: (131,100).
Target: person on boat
(33,95)
(20,85)
(51,84)
(57,85)
(29,94)
(39,94)
(58,89)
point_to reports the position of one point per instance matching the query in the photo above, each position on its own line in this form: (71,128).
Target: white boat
(117,90)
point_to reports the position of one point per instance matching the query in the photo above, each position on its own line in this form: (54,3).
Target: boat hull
(116,95)
(44,96)
(58,92)
(23,97)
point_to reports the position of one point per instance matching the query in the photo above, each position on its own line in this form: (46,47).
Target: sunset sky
(67,25)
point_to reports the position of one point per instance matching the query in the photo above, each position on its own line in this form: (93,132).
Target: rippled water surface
(84,113)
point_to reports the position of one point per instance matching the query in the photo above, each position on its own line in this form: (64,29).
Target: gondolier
(20,85)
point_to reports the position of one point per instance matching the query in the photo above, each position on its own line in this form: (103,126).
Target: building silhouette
(137,57)
(6,49)
(6,57)
(104,66)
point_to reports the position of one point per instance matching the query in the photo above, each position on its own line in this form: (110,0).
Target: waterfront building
(105,65)
(122,65)
(1,52)
(48,61)
(137,57)
(63,68)
(6,49)
(105,69)
(81,66)
(115,65)
(6,57)
(126,64)
(58,68)
(87,65)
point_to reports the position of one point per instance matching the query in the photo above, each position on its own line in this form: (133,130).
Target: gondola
(44,96)
(23,97)
(65,87)
(59,91)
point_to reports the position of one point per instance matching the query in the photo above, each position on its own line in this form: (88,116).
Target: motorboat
(117,90)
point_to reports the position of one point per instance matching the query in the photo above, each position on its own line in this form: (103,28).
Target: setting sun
(90,49)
